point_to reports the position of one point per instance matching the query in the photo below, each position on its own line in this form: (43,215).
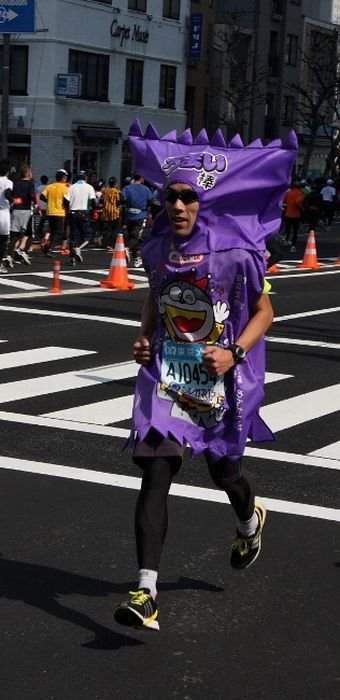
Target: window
(270,122)
(94,69)
(105,2)
(273,58)
(167,87)
(277,7)
(18,63)
(134,82)
(171,9)
(288,110)
(291,50)
(138,5)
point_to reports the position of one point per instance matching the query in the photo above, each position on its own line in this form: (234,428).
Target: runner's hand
(142,350)
(217,361)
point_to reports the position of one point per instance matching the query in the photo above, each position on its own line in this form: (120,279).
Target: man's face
(182,214)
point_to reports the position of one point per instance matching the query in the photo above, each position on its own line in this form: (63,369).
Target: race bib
(183,374)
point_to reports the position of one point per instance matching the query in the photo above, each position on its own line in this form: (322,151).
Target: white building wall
(85,25)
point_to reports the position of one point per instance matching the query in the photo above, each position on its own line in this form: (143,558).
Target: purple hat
(240,187)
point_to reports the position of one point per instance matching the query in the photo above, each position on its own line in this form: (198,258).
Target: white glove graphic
(221,311)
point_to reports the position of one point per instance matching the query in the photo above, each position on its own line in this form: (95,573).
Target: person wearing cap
(80,200)
(201,341)
(328,194)
(54,195)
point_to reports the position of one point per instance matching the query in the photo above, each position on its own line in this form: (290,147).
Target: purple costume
(206,284)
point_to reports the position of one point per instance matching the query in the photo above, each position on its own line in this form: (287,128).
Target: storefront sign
(68,84)
(124,32)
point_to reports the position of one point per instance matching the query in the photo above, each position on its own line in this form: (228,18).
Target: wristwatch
(238,352)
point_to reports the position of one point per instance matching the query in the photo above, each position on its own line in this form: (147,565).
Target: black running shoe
(139,611)
(246,549)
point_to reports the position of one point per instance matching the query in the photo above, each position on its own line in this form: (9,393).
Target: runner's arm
(218,360)
(142,346)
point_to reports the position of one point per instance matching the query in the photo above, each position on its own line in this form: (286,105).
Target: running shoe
(293,249)
(246,549)
(137,262)
(23,256)
(72,262)
(139,611)
(3,269)
(78,255)
(8,261)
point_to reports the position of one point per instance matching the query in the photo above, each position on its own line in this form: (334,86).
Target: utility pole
(5,95)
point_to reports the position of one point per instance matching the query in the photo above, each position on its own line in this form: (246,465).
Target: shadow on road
(41,587)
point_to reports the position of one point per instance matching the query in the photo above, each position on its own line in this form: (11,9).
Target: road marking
(297,341)
(66,278)
(39,355)
(313,459)
(65,381)
(43,422)
(179,490)
(118,409)
(99,413)
(110,431)
(307,314)
(278,276)
(80,317)
(329,451)
(21,285)
(299,409)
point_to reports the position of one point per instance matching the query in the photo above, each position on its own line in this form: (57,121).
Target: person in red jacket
(293,201)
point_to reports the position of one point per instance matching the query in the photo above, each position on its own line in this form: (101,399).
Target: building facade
(260,53)
(87,72)
(199,61)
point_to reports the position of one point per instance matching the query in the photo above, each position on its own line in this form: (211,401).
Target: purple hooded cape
(206,284)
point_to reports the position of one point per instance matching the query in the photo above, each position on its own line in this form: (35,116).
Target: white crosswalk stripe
(39,355)
(71,280)
(105,417)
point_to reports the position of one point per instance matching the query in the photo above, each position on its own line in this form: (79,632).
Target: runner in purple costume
(201,344)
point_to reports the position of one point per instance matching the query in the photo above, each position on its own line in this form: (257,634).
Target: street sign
(195,39)
(17,16)
(68,84)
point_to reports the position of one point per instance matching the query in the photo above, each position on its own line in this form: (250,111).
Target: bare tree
(316,103)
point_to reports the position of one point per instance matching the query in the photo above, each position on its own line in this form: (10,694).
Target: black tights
(151,516)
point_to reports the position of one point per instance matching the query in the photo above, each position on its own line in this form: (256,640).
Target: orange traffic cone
(118,276)
(310,258)
(273,269)
(55,289)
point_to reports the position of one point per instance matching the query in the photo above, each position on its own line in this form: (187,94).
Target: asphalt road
(67,494)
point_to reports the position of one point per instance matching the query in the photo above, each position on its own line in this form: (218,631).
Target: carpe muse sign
(124,32)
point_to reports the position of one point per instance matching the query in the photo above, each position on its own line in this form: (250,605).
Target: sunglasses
(186,196)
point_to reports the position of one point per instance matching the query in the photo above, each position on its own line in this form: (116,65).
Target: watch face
(240,352)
